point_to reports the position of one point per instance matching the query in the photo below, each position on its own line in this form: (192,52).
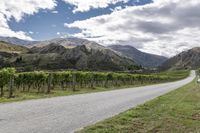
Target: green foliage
(175,75)
(43,81)
(5,73)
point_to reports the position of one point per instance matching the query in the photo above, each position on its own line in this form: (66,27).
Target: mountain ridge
(189,59)
(17,41)
(11,48)
(138,57)
(81,57)
(141,58)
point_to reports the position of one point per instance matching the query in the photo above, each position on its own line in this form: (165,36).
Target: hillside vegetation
(141,58)
(189,59)
(10,48)
(84,55)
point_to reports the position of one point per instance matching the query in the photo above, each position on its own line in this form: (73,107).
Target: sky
(163,27)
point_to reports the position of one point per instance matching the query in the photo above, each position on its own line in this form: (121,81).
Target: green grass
(175,112)
(176,74)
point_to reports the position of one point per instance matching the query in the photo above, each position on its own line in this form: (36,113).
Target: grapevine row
(45,82)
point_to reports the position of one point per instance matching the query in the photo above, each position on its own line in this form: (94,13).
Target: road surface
(70,113)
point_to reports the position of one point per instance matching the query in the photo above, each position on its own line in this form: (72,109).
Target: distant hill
(141,58)
(90,56)
(9,51)
(11,48)
(186,60)
(17,41)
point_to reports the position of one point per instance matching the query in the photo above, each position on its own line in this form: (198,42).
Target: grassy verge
(177,112)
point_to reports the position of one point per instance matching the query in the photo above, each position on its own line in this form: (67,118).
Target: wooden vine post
(49,82)
(10,87)
(73,82)
(1,90)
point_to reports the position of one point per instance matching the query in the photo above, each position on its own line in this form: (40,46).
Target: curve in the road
(69,113)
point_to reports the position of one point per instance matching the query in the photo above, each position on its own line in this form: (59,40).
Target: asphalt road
(70,113)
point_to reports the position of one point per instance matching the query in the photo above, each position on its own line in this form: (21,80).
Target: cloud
(55,12)
(163,27)
(86,5)
(118,8)
(31,32)
(17,9)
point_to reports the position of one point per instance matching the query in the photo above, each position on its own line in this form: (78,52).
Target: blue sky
(47,24)
(163,27)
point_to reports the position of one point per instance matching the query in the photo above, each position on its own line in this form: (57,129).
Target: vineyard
(11,82)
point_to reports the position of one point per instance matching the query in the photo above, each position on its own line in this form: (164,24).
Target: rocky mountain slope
(69,43)
(186,60)
(90,56)
(141,58)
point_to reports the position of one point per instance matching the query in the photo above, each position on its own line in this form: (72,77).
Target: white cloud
(55,12)
(164,27)
(58,33)
(31,32)
(86,5)
(118,8)
(17,9)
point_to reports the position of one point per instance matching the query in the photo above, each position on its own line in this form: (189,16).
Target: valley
(66,66)
(144,59)
(72,67)
(99,66)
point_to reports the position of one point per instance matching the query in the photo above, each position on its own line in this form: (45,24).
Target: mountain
(11,48)
(8,51)
(51,48)
(17,41)
(141,58)
(186,60)
(69,43)
(54,56)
